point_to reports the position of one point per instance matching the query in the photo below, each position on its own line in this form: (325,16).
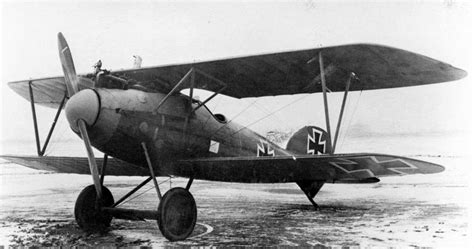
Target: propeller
(67,64)
(77,108)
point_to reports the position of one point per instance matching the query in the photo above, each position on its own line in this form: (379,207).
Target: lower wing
(363,167)
(76,165)
(359,167)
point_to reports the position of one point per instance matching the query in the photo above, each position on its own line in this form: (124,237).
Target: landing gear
(177,214)
(88,210)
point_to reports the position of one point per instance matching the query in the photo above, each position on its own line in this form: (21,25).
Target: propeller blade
(72,82)
(90,156)
(67,63)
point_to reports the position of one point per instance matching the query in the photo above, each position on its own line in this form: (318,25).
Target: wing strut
(326,108)
(42,150)
(343,105)
(332,145)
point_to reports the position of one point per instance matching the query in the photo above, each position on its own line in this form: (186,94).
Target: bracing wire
(218,101)
(278,119)
(245,109)
(136,196)
(266,116)
(343,137)
(58,133)
(39,89)
(238,114)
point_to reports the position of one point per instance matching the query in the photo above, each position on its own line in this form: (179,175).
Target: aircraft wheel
(87,216)
(177,214)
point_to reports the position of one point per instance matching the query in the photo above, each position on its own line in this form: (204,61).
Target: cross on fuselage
(315,146)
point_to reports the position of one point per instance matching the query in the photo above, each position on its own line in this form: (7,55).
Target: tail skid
(311,188)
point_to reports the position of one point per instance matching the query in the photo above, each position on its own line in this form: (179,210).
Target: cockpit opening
(221,118)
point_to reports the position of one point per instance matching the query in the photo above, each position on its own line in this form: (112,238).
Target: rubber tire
(87,217)
(177,214)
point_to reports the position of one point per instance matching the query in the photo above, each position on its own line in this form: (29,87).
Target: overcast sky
(186,31)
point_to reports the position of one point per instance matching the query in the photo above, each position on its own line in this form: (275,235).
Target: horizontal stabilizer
(76,165)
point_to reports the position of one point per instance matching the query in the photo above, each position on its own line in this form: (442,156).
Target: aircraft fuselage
(173,132)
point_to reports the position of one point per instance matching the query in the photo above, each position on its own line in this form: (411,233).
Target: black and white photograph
(312,123)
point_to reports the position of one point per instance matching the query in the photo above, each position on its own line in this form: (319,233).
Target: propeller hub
(83,105)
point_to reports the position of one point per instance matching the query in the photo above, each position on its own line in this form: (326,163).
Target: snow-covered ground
(417,210)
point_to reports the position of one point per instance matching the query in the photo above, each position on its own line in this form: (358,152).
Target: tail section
(309,140)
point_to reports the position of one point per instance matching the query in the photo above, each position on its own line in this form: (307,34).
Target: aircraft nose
(83,105)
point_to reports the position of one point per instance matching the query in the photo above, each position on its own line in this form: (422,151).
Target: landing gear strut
(176,214)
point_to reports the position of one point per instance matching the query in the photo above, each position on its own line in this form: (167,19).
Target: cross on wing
(364,167)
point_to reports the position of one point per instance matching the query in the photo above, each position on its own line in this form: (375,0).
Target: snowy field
(417,210)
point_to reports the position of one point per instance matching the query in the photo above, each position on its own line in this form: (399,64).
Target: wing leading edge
(336,168)
(284,73)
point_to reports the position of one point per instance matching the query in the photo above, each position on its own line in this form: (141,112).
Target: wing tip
(425,167)
(460,73)
(435,168)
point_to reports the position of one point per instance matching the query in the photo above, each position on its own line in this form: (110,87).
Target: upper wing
(46,91)
(342,167)
(76,165)
(284,73)
(297,72)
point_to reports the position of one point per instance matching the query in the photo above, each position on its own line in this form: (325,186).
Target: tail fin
(309,140)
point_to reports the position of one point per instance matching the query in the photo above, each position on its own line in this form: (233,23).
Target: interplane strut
(42,150)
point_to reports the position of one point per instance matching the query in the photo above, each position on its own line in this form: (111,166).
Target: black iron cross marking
(315,145)
(264,149)
(370,166)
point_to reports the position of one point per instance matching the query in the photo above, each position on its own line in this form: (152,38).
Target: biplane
(142,119)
